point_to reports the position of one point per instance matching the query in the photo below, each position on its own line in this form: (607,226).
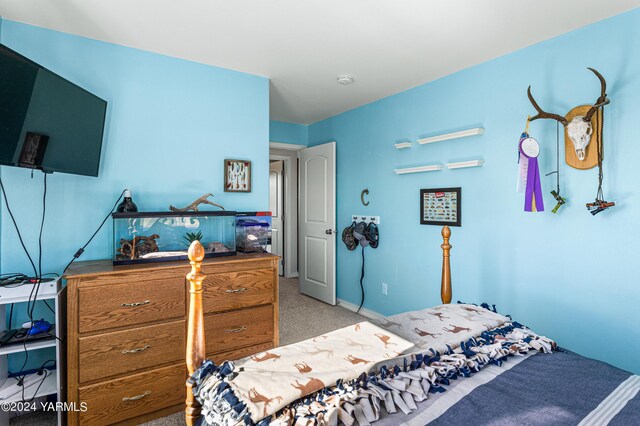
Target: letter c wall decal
(362,194)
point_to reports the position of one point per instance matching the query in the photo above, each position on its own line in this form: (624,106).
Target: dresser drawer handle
(240,290)
(134,351)
(132,305)
(137,397)
(236,330)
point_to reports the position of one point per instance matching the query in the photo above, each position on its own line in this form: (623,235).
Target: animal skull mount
(580,133)
(580,127)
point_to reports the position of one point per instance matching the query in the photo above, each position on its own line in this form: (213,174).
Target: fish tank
(145,237)
(253,232)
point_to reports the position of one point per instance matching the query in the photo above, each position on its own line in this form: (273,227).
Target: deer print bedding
(349,375)
(255,387)
(442,326)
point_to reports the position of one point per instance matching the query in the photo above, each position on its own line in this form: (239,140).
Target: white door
(317,222)
(275,206)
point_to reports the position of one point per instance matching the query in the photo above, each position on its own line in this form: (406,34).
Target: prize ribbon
(533,201)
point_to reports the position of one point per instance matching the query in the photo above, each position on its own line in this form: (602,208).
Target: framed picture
(237,176)
(440,206)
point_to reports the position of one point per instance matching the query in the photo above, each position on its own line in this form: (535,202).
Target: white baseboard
(364,311)
(291,275)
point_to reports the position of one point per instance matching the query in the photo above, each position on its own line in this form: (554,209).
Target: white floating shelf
(465,164)
(403,145)
(454,135)
(14,348)
(419,169)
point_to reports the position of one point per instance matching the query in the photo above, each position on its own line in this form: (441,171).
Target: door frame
(279,198)
(288,153)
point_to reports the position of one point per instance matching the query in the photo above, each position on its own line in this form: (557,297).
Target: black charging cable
(15,225)
(361,283)
(40,371)
(81,250)
(37,272)
(33,295)
(372,236)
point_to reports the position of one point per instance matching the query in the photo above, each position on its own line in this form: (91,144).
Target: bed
(450,364)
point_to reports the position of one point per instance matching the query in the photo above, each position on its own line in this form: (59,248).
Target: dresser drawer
(131,303)
(237,329)
(235,290)
(236,354)
(120,352)
(117,400)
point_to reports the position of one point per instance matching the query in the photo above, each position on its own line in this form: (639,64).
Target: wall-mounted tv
(47,122)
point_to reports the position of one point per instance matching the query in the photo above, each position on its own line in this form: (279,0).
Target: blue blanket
(560,388)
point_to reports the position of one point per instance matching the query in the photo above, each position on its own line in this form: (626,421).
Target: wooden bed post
(195,327)
(445,287)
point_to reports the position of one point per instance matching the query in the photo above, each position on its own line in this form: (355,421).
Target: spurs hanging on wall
(581,124)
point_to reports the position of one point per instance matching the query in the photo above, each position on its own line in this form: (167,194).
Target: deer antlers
(600,102)
(542,113)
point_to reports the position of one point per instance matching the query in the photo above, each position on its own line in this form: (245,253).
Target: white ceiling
(302,45)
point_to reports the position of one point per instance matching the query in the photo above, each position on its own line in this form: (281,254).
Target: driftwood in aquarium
(194,206)
(138,246)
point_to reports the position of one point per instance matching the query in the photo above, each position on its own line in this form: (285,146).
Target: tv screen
(47,122)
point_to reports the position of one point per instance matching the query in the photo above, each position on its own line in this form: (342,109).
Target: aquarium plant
(193,236)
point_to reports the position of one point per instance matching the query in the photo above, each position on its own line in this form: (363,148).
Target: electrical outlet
(384,289)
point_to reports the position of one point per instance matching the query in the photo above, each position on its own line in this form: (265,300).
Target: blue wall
(170,124)
(290,133)
(571,276)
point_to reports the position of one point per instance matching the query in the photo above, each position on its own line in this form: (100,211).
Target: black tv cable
(15,225)
(33,295)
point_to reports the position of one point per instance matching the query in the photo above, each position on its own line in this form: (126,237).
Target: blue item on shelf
(37,327)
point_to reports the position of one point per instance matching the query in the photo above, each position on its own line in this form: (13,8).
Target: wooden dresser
(126,330)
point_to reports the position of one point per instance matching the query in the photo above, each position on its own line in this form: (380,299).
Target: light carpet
(301,317)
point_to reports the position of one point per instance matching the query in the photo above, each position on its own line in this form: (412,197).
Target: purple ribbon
(534,188)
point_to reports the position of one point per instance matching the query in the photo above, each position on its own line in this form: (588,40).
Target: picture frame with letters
(237,176)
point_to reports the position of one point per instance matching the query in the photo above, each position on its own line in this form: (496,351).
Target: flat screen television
(47,122)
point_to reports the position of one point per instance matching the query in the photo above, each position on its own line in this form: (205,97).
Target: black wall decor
(441,206)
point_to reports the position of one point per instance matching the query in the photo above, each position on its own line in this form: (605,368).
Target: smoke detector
(345,80)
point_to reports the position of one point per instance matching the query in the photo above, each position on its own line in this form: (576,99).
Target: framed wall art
(441,206)
(237,176)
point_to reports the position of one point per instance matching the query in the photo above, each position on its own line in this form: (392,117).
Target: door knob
(329,231)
